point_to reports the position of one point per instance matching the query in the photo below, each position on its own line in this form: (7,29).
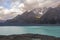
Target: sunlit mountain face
(11,8)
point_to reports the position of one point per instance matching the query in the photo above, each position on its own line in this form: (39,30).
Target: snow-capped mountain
(51,16)
(28,16)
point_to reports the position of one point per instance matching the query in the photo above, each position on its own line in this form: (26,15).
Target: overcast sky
(8,3)
(19,6)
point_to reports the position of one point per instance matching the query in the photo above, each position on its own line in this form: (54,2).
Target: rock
(52,16)
(25,18)
(28,37)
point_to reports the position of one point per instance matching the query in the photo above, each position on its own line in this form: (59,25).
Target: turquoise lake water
(44,30)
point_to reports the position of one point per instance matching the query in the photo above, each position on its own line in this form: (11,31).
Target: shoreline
(28,37)
(29,24)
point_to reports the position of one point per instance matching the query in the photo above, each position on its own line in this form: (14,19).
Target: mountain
(52,16)
(2,21)
(26,17)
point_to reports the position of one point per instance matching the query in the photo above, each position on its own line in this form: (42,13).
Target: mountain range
(51,16)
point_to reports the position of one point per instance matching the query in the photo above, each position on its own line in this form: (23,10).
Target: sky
(11,8)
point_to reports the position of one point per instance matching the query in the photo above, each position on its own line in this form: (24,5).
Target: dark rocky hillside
(28,37)
(25,18)
(52,16)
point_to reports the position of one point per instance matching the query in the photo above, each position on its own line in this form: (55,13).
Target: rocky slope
(52,16)
(28,37)
(26,17)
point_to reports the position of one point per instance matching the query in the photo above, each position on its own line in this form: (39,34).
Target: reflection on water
(52,31)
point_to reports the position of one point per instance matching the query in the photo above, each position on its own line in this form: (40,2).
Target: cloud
(43,3)
(15,0)
(18,7)
(6,14)
(28,4)
(1,0)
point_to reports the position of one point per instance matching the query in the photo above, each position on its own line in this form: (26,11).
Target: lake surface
(44,30)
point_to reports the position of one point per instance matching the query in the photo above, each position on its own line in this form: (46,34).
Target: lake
(44,30)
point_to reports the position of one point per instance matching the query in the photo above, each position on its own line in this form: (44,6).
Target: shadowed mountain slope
(52,16)
(25,18)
